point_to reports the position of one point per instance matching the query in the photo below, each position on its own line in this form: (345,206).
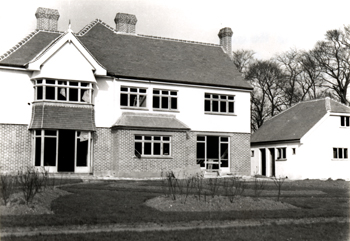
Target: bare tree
(333,57)
(242,59)
(267,98)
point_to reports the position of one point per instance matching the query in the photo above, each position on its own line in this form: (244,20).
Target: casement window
(133,97)
(281,153)
(345,121)
(164,99)
(146,145)
(57,90)
(45,147)
(213,152)
(215,103)
(340,153)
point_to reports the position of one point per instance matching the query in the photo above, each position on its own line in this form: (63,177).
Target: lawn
(123,202)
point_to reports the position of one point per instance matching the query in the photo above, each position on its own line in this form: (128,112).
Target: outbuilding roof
(141,57)
(293,123)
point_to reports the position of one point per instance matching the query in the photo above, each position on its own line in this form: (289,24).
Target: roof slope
(295,122)
(142,57)
(29,48)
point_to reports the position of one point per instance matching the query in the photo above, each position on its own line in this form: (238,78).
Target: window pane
(138,137)
(207,95)
(166,138)
(166,149)
(62,94)
(38,132)
(342,121)
(207,105)
(50,133)
(200,138)
(174,103)
(50,152)
(224,139)
(346,153)
(155,91)
(148,148)
(223,106)
(123,99)
(50,82)
(62,82)
(155,101)
(157,138)
(223,97)
(165,92)
(50,93)
(37,151)
(156,150)
(148,137)
(230,97)
(133,90)
(347,121)
(200,150)
(231,107)
(224,151)
(73,83)
(124,89)
(142,90)
(133,100)
(173,93)
(215,106)
(165,102)
(138,148)
(215,96)
(83,84)
(340,152)
(335,153)
(201,162)
(39,93)
(73,94)
(142,101)
(39,81)
(82,153)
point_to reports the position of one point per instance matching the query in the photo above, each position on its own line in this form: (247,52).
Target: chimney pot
(125,23)
(47,19)
(225,36)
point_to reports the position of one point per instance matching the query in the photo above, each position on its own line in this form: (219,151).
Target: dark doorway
(272,158)
(66,146)
(213,152)
(263,162)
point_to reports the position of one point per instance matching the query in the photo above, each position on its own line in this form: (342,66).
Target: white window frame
(59,87)
(171,94)
(281,153)
(225,98)
(153,140)
(138,94)
(340,151)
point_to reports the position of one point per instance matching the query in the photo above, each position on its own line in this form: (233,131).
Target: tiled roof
(149,121)
(295,122)
(68,117)
(28,48)
(143,57)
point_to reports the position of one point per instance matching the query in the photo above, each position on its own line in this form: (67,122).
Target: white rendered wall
(318,150)
(190,106)
(16,92)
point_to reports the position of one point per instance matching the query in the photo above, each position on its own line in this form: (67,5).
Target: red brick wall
(15,147)
(240,154)
(103,152)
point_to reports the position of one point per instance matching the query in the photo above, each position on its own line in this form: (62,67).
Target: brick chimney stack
(225,36)
(47,19)
(125,23)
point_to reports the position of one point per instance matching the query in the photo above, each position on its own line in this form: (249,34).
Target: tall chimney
(225,36)
(125,23)
(47,19)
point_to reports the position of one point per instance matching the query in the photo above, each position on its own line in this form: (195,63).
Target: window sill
(133,108)
(153,157)
(284,159)
(62,102)
(166,110)
(344,127)
(218,113)
(340,159)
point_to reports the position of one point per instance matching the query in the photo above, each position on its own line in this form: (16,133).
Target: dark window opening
(37,151)
(73,95)
(50,151)
(82,153)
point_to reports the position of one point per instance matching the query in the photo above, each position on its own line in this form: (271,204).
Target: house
(309,140)
(107,101)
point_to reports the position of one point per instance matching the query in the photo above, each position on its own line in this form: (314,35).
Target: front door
(263,161)
(66,151)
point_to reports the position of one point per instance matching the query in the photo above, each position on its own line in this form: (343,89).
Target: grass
(317,232)
(122,202)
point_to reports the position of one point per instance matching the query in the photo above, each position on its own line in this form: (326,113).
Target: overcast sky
(267,27)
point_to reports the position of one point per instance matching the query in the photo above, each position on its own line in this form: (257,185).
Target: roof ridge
(336,101)
(88,27)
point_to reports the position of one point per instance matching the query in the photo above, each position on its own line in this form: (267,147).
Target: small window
(340,153)
(252,154)
(165,99)
(215,103)
(294,151)
(345,121)
(152,146)
(133,97)
(281,153)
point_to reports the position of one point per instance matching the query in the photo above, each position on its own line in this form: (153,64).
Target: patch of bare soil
(217,203)
(41,203)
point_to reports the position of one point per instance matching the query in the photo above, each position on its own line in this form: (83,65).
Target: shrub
(31,181)
(8,185)
(259,186)
(278,182)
